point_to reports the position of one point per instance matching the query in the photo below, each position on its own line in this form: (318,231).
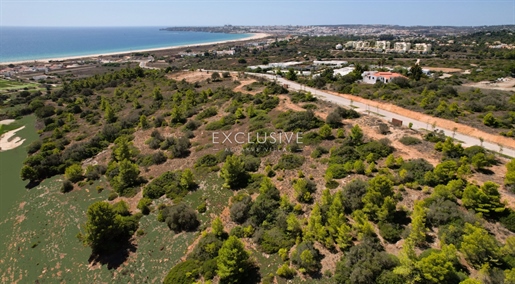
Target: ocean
(32,43)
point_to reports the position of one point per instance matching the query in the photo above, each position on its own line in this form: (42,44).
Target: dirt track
(438,122)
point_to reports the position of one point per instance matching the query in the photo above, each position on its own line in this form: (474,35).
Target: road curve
(465,140)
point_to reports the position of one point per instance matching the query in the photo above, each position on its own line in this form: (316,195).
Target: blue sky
(164,13)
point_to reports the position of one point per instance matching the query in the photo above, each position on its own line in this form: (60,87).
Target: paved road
(466,140)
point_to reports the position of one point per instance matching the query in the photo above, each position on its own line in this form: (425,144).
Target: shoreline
(254,36)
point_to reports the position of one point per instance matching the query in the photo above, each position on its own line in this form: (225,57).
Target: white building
(422,47)
(371,77)
(343,71)
(402,46)
(339,47)
(382,44)
(335,63)
(225,52)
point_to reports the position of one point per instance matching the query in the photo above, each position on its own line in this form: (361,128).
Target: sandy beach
(8,142)
(46,60)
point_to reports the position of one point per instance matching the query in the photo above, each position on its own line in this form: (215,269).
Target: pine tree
(156,94)
(407,259)
(122,150)
(103,228)
(232,261)
(187,180)
(325,131)
(390,161)
(233,172)
(218,228)
(127,176)
(378,189)
(294,227)
(109,113)
(336,223)
(315,229)
(478,246)
(418,224)
(509,180)
(356,135)
(143,122)
(387,209)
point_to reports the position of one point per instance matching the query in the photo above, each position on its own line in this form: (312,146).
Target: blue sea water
(32,43)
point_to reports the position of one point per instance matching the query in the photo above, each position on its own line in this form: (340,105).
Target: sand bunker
(6,121)
(8,142)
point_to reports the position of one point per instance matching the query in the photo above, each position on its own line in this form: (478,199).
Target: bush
(67,186)
(285,271)
(180,217)
(273,240)
(337,171)
(208,112)
(34,147)
(112,196)
(179,147)
(298,121)
(251,163)
(307,257)
(74,173)
(184,272)
(168,183)
(144,205)
(94,172)
(202,208)
(207,248)
(240,210)
(353,193)
(208,160)
(192,124)
(409,140)
(318,152)
(290,161)
(391,232)
(334,119)
(509,221)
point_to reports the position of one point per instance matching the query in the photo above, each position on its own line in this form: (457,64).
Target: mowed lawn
(9,85)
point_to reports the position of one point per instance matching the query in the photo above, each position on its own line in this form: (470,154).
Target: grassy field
(39,240)
(14,85)
(9,127)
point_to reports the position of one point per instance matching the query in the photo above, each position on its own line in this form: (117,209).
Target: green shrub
(74,173)
(391,232)
(273,240)
(338,171)
(202,207)
(180,217)
(184,272)
(285,271)
(112,196)
(409,140)
(208,112)
(290,161)
(144,205)
(67,186)
(207,160)
(170,184)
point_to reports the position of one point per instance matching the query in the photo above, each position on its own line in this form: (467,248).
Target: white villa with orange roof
(371,77)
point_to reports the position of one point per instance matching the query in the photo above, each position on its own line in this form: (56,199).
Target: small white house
(371,77)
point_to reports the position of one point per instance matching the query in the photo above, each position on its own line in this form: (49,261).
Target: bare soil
(438,122)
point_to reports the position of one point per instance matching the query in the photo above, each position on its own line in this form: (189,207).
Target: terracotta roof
(387,74)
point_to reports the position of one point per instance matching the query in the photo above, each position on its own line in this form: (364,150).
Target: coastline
(254,36)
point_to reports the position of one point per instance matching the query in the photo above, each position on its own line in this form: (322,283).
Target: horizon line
(235,25)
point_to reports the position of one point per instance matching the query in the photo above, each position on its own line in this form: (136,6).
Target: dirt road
(467,135)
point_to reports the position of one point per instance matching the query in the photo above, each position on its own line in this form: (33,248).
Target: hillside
(148,176)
